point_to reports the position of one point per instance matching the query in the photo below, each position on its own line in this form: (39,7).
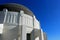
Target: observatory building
(19,23)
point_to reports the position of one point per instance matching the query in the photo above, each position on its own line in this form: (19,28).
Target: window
(28,36)
(1,17)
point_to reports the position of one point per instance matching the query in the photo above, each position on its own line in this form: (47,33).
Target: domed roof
(16,7)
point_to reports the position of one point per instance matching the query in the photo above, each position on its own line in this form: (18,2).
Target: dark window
(0,37)
(28,36)
(1,17)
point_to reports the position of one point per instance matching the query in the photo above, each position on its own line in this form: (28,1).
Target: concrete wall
(10,27)
(45,36)
(17,24)
(36,23)
(10,34)
(1,28)
(26,21)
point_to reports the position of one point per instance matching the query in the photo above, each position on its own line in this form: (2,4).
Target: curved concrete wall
(36,23)
(18,24)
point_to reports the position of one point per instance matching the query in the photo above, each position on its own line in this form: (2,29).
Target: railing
(26,20)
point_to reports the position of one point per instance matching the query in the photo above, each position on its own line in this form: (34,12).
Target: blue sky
(47,12)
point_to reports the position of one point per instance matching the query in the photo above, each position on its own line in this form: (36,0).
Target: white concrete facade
(20,26)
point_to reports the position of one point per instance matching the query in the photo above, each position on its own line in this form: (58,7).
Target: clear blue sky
(47,11)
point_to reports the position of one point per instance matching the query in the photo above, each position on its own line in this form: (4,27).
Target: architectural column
(5,12)
(37,34)
(42,36)
(33,32)
(8,20)
(32,35)
(23,27)
(23,35)
(14,18)
(11,18)
(45,37)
